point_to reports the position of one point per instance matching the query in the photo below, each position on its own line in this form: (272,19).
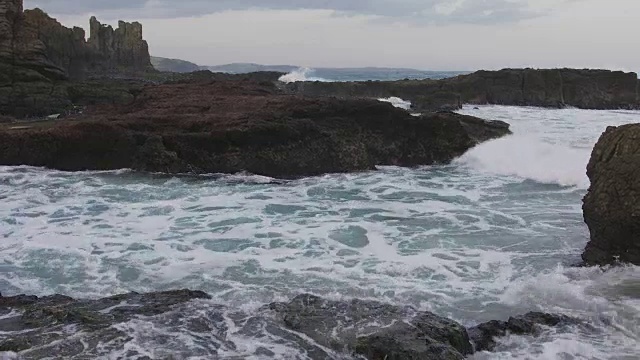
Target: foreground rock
(38,56)
(587,89)
(185,324)
(484,336)
(211,126)
(612,205)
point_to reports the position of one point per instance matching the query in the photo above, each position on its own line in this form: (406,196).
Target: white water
(490,236)
(397,102)
(301,74)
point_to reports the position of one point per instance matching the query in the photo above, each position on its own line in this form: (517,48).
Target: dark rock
(374,330)
(6,119)
(40,322)
(119,50)
(38,55)
(612,205)
(207,125)
(484,335)
(588,89)
(168,325)
(439,101)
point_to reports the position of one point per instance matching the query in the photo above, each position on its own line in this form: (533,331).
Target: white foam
(529,157)
(397,102)
(473,240)
(550,146)
(301,74)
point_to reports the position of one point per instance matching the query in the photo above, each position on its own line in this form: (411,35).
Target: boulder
(217,125)
(612,205)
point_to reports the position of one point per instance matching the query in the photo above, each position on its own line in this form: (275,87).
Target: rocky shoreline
(585,89)
(242,123)
(39,327)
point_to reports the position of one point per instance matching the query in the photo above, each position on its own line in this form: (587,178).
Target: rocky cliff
(38,54)
(587,89)
(119,50)
(612,205)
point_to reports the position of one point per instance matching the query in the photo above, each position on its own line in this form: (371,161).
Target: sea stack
(612,205)
(38,54)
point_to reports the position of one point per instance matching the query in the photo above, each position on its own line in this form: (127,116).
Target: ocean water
(364,74)
(492,235)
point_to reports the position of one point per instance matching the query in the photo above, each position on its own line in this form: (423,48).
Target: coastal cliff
(586,89)
(38,56)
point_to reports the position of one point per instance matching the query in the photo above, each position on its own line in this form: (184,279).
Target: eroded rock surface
(612,205)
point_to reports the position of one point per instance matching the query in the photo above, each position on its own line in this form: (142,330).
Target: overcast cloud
(424,34)
(428,11)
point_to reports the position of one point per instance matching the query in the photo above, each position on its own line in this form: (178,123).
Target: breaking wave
(301,74)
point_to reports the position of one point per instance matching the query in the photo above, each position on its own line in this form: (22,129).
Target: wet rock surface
(484,336)
(214,124)
(184,323)
(612,205)
(374,330)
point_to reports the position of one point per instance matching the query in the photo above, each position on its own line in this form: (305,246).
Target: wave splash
(300,74)
(530,157)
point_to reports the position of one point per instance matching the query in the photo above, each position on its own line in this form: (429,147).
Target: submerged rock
(612,205)
(207,125)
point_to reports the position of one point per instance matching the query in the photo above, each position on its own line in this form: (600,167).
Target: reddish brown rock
(239,124)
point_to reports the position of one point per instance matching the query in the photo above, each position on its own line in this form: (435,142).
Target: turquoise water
(492,235)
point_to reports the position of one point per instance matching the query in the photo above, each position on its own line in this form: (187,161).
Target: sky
(421,34)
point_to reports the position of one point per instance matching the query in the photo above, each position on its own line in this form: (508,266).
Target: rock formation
(612,205)
(243,124)
(144,324)
(119,50)
(587,89)
(38,54)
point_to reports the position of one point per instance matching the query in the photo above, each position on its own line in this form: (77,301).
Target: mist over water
(489,236)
